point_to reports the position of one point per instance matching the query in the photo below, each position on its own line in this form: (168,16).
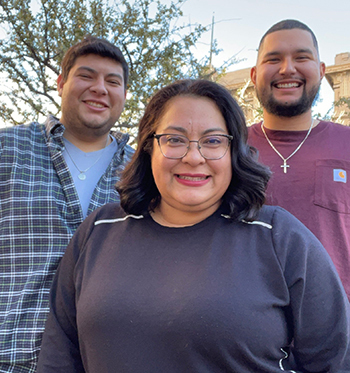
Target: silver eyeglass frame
(158,136)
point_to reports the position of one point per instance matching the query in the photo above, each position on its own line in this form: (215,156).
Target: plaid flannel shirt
(39,212)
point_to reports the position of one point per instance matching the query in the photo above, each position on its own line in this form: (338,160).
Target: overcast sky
(241,23)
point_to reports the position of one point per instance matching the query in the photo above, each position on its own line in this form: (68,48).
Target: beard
(282,109)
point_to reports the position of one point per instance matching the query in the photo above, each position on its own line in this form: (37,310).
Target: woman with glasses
(193,273)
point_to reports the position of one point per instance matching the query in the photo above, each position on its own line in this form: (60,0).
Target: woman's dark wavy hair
(246,192)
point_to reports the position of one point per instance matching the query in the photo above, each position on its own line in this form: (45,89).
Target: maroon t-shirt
(316,186)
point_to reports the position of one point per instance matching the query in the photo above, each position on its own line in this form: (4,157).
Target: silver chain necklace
(285,165)
(82,173)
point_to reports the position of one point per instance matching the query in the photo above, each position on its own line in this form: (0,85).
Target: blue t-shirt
(91,164)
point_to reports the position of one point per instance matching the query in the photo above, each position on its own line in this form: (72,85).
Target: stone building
(337,75)
(239,84)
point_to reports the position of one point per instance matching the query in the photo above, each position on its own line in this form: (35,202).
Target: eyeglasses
(177,146)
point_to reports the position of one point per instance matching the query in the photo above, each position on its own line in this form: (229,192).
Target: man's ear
(60,84)
(253,74)
(322,70)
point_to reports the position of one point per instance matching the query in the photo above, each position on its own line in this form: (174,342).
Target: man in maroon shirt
(309,158)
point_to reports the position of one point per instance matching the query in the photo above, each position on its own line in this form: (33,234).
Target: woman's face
(192,184)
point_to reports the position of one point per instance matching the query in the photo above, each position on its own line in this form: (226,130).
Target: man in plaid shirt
(51,176)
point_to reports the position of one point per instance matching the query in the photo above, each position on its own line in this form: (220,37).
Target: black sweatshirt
(220,296)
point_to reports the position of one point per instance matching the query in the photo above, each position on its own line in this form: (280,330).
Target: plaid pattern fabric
(39,212)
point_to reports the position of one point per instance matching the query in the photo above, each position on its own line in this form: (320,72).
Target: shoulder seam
(117,220)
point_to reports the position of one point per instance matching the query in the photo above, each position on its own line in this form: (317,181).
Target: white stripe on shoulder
(257,222)
(111,221)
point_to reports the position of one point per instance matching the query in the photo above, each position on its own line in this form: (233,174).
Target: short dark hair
(289,24)
(93,45)
(246,192)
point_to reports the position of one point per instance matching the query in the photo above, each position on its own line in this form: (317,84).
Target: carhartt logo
(339,175)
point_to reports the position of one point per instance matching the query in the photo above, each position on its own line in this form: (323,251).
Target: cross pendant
(285,166)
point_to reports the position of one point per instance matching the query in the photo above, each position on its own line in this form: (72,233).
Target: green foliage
(343,102)
(342,107)
(37,33)
(339,112)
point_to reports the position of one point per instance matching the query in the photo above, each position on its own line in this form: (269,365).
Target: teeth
(95,104)
(287,85)
(192,178)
